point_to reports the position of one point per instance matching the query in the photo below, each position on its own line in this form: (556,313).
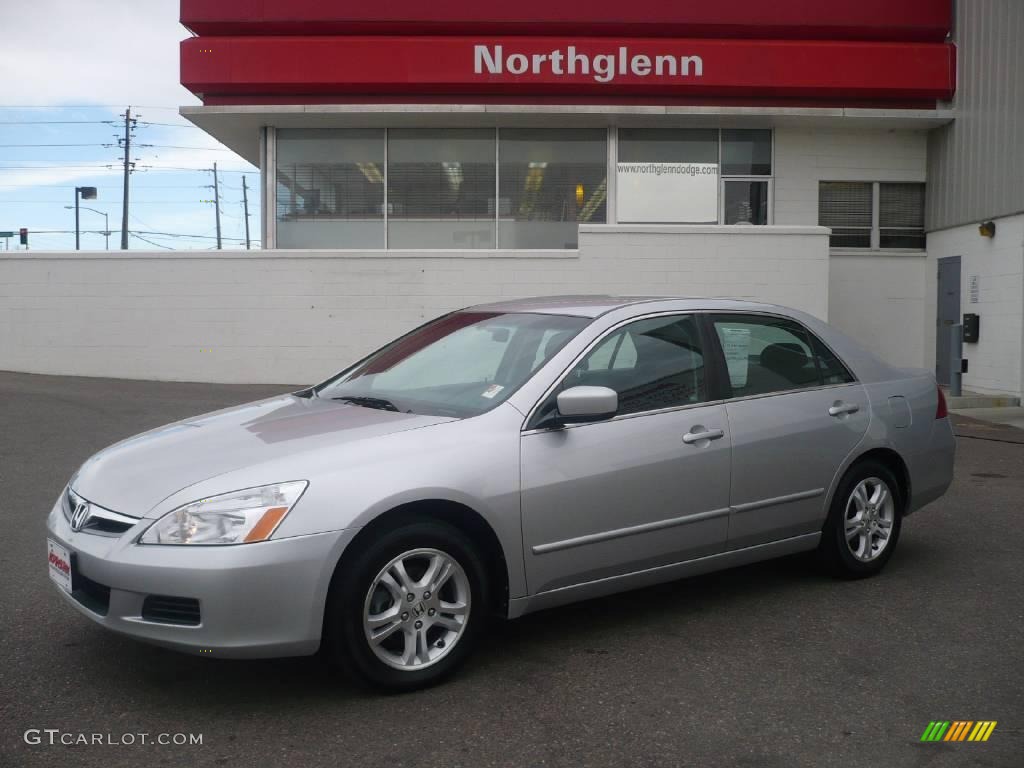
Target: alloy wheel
(869,518)
(417,609)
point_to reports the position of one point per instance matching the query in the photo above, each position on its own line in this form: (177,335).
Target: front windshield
(459,365)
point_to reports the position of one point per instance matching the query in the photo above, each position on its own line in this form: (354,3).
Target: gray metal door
(948,315)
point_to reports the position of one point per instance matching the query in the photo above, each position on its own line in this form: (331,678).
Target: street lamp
(106,222)
(85,193)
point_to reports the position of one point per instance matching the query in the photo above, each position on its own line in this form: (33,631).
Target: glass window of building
(746,152)
(667,176)
(441,188)
(873,215)
(901,216)
(330,188)
(551,181)
(845,206)
(744,201)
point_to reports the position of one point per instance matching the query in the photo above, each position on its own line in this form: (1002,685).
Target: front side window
(460,365)
(773,354)
(651,364)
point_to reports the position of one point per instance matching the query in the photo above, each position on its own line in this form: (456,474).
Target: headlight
(239,517)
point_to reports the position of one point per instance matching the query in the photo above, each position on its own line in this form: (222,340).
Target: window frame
(875,231)
(270,159)
(712,374)
(614,138)
(722,368)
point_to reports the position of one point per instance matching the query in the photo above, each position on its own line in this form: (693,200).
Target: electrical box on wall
(972,328)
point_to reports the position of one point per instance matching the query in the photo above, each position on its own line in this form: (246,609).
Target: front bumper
(256,600)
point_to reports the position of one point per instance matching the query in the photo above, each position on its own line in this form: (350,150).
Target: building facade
(836,157)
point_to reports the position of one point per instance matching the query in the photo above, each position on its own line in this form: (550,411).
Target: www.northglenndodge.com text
(604,67)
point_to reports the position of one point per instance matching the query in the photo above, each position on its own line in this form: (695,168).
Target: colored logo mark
(958,730)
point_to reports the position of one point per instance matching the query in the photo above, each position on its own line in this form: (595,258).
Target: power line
(198,170)
(135,232)
(64,185)
(110,144)
(57,145)
(107,202)
(70,122)
(167,125)
(47,167)
(175,146)
(84,106)
(158,245)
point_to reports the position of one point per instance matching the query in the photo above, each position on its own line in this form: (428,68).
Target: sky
(68,70)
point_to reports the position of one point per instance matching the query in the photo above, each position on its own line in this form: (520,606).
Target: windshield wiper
(370,402)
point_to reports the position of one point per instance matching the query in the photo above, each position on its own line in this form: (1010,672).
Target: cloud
(91,52)
(26,178)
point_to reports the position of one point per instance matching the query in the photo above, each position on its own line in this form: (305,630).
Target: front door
(948,316)
(638,491)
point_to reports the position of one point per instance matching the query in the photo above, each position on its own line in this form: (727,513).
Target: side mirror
(579,405)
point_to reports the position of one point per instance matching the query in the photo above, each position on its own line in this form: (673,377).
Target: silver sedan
(496,461)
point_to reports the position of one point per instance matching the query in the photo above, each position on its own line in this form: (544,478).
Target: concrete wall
(996,362)
(805,156)
(880,300)
(298,316)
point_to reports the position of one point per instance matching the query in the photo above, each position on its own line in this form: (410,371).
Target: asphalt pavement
(767,665)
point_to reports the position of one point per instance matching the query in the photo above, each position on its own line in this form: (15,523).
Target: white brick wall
(996,362)
(879,299)
(298,316)
(805,156)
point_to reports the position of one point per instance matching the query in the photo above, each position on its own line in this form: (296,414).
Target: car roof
(592,306)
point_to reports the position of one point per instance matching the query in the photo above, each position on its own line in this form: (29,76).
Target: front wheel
(408,609)
(864,522)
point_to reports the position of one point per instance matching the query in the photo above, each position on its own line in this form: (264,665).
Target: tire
(856,508)
(424,639)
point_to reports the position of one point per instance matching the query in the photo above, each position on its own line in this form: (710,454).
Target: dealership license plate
(60,564)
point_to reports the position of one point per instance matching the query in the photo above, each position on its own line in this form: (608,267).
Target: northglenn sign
(604,67)
(447,69)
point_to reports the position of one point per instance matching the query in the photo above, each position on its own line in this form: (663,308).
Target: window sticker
(736,346)
(492,391)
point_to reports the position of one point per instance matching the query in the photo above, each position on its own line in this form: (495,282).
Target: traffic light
(23,236)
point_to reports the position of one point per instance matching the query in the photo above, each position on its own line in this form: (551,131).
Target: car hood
(136,474)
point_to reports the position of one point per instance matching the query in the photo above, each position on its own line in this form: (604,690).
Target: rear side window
(652,364)
(766,354)
(832,369)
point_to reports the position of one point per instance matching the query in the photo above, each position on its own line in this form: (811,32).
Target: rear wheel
(407,610)
(864,522)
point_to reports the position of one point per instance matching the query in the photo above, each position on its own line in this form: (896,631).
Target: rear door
(795,413)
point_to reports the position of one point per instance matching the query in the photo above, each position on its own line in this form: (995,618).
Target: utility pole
(128,125)
(216,203)
(245,206)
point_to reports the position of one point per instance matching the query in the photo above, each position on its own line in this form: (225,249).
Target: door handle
(699,433)
(840,408)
